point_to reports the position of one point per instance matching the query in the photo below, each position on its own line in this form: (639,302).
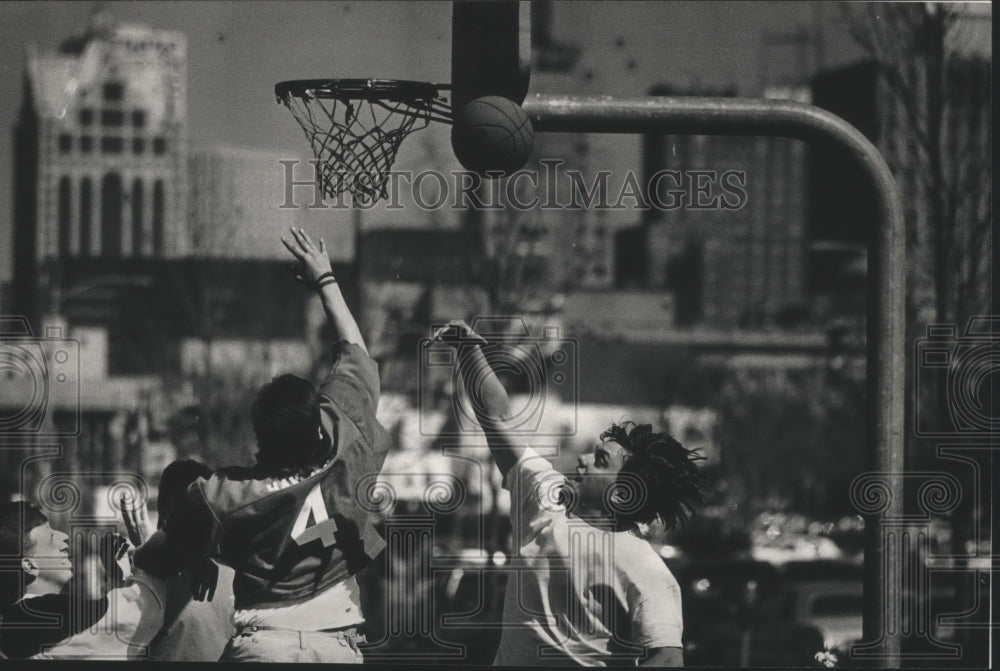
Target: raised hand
(313,261)
(486,394)
(313,269)
(204,579)
(112,548)
(137,523)
(457,331)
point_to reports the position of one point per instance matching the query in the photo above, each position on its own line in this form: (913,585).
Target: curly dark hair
(286,420)
(660,477)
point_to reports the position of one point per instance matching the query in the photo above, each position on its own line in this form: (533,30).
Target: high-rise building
(237,208)
(730,246)
(100,155)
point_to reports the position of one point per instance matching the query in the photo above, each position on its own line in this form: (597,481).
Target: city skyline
(240,54)
(804,310)
(236,52)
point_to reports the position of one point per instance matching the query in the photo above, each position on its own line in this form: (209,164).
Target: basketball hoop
(355,127)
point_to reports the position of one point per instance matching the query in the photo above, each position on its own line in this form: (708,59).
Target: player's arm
(656,619)
(353,376)
(490,401)
(159,557)
(664,657)
(190,533)
(314,269)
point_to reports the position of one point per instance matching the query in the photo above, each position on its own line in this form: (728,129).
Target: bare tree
(939,100)
(532,258)
(790,440)
(937,93)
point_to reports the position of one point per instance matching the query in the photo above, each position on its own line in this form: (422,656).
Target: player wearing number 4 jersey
(291,526)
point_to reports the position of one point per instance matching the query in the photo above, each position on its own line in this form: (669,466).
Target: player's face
(49,555)
(596,472)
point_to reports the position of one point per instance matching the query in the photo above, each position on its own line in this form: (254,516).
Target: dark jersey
(31,625)
(288,538)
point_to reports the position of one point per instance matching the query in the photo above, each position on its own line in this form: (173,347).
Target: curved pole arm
(886,283)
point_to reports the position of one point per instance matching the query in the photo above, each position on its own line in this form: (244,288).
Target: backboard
(491,50)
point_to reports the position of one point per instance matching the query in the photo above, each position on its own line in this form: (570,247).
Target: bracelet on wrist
(325,279)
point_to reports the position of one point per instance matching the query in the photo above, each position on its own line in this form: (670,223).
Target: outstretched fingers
(312,261)
(304,240)
(204,579)
(128,517)
(455,330)
(439,333)
(302,246)
(136,520)
(121,547)
(295,249)
(449,331)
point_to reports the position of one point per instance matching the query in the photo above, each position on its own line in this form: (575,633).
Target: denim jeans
(257,644)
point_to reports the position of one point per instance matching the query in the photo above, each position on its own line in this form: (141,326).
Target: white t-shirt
(578,594)
(134,617)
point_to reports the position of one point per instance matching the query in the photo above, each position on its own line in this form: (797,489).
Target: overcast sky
(236,52)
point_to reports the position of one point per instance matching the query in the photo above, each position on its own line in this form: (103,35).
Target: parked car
(825,595)
(722,623)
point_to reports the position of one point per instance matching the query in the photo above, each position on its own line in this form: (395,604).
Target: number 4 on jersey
(323,528)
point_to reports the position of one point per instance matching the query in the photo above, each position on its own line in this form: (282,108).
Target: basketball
(492,133)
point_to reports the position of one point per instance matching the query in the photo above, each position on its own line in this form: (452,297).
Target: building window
(138,118)
(158,217)
(86,144)
(138,145)
(137,237)
(159,146)
(65,143)
(112,145)
(86,116)
(85,212)
(64,216)
(114,91)
(112,118)
(111,215)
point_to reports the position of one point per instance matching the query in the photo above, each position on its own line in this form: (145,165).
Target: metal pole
(886,279)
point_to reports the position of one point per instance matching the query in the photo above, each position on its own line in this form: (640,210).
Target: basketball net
(355,140)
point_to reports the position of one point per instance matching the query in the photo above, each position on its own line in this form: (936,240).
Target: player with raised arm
(291,526)
(585,588)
